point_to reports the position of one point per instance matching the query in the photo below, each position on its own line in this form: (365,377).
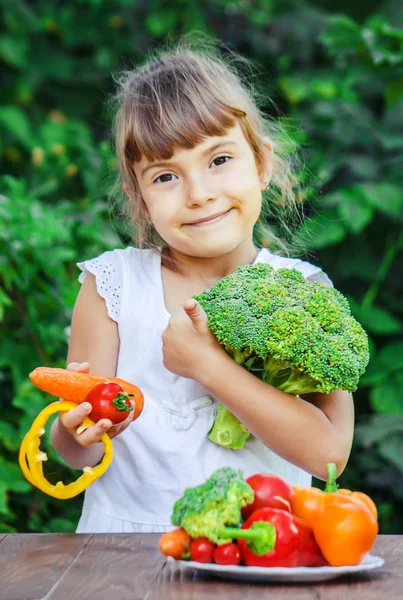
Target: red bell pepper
(269,491)
(310,554)
(294,543)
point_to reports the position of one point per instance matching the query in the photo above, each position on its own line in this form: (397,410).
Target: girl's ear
(127,191)
(266,167)
(132,198)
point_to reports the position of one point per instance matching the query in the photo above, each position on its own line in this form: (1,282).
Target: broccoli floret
(296,335)
(204,510)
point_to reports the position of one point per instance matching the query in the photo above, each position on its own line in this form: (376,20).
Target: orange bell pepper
(361,498)
(309,502)
(345,531)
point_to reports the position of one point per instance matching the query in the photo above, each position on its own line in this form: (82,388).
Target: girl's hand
(72,420)
(187,342)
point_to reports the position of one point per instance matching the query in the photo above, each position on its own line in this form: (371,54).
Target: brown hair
(177,98)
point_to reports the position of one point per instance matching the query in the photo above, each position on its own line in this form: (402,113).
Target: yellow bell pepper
(31,457)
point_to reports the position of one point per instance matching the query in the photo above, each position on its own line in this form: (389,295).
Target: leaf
(17,123)
(60,525)
(14,51)
(9,436)
(4,302)
(4,508)
(389,359)
(45,188)
(22,13)
(356,260)
(392,450)
(379,320)
(387,398)
(342,38)
(5,528)
(321,230)
(295,88)
(355,209)
(391,356)
(394,92)
(158,24)
(374,318)
(385,197)
(11,476)
(384,42)
(379,427)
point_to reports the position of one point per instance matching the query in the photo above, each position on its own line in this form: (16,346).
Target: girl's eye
(164,178)
(221,160)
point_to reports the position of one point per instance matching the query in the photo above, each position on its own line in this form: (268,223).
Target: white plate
(280,573)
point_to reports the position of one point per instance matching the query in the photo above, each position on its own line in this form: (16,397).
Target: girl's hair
(177,98)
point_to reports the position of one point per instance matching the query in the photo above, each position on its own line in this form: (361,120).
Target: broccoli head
(296,335)
(204,510)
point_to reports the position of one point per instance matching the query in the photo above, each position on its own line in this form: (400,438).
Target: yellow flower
(72,170)
(57,116)
(58,149)
(116,21)
(37,156)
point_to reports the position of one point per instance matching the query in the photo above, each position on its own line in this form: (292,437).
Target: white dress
(166,449)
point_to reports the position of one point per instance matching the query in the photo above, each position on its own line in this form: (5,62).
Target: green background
(337,81)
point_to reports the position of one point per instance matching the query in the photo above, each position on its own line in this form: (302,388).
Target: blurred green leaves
(338,85)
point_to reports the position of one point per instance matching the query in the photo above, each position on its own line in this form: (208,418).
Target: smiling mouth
(210,220)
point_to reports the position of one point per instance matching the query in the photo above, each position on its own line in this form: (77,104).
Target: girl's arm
(94,339)
(308,432)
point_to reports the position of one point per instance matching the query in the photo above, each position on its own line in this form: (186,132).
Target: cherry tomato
(270,491)
(109,401)
(227,554)
(202,550)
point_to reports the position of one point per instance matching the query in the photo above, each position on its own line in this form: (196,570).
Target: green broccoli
(207,509)
(296,335)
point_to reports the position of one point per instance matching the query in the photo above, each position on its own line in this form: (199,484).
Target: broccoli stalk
(296,383)
(261,536)
(293,334)
(228,430)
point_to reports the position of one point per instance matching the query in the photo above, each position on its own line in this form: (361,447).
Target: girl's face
(205,201)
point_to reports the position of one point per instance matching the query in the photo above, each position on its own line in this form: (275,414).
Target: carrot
(175,543)
(74,386)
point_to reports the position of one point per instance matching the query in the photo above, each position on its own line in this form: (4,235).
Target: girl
(195,155)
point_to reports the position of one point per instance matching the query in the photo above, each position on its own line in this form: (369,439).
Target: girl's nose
(199,192)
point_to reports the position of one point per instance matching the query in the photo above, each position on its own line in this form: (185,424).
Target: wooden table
(130,567)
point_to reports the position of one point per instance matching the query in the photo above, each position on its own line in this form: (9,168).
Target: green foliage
(203,510)
(337,80)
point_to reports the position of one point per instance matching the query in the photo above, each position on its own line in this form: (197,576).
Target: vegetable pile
(110,399)
(293,334)
(265,522)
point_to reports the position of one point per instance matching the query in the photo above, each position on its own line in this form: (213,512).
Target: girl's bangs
(161,127)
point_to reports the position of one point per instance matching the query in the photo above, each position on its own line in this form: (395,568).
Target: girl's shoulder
(115,268)
(309,270)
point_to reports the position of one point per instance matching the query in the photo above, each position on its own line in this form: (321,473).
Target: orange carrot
(74,386)
(175,543)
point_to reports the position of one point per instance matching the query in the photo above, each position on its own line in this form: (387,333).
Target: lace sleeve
(107,270)
(313,273)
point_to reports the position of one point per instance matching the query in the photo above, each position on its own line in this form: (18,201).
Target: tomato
(202,550)
(270,491)
(227,554)
(109,401)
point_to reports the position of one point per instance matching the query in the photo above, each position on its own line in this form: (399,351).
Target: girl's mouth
(210,221)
